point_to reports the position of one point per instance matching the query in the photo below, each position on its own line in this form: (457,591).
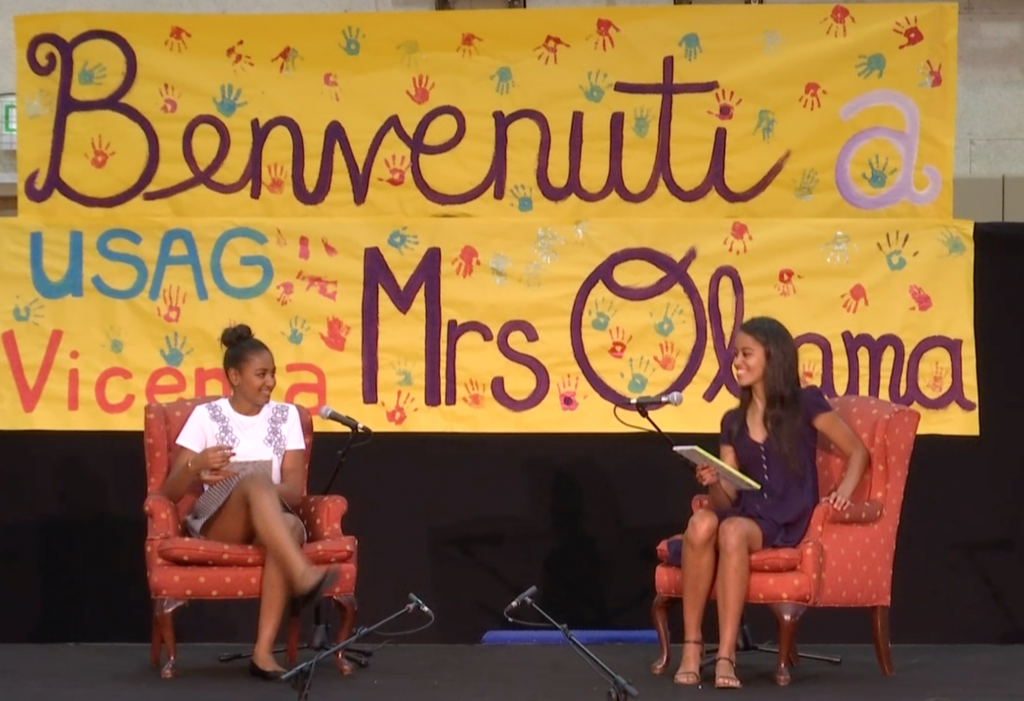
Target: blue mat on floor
(554,637)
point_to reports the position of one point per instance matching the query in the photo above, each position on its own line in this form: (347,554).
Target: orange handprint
(277,173)
(337,334)
(467,46)
(548,51)
(727,104)
(465,261)
(420,89)
(568,398)
(785,285)
(837,20)
(474,394)
(398,413)
(937,382)
(668,357)
(175,40)
(853,298)
(811,99)
(169,104)
(173,299)
(239,59)
(619,342)
(807,374)
(604,34)
(738,235)
(397,168)
(101,153)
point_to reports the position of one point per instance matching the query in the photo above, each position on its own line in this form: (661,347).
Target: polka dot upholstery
(180,568)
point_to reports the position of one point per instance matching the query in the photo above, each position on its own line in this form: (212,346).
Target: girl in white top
(255,505)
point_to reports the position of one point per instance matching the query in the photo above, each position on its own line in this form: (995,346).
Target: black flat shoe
(316,593)
(266,675)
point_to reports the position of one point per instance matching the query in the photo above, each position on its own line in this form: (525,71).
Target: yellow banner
(494,325)
(716,112)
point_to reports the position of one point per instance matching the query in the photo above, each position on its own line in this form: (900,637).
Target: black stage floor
(500,673)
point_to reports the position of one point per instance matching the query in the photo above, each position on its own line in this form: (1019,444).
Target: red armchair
(180,568)
(846,558)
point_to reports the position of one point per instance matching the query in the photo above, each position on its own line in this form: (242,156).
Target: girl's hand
(211,463)
(707,475)
(839,499)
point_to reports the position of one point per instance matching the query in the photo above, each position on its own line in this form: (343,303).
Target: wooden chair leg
(880,631)
(347,606)
(291,649)
(163,618)
(659,615)
(787,615)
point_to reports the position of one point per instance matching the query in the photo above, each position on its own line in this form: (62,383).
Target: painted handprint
(910,32)
(401,241)
(532,274)
(839,248)
(288,56)
(772,41)
(328,289)
(837,20)
(878,176)
(664,326)
(40,104)
(808,374)
(641,121)
(329,250)
(922,300)
(853,298)
(467,45)
(331,89)
(403,374)
(869,65)
(953,242)
(240,60)
(409,52)
(597,85)
(173,298)
(785,286)
(937,381)
(89,77)
(691,46)
(397,167)
(175,40)
(276,174)
(619,342)
(114,343)
(639,375)
(175,352)
(894,250)
(303,247)
(297,330)
(421,87)
(568,393)
(168,99)
(669,355)
(523,197)
(401,409)
(601,315)
(604,38)
(548,50)
(465,262)
(931,77)
(739,234)
(503,80)
(499,265)
(30,313)
(229,100)
(287,289)
(805,187)
(765,124)
(337,334)
(811,99)
(475,394)
(352,36)
(727,103)
(101,153)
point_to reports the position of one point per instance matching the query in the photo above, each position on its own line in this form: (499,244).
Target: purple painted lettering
(724,349)
(455,332)
(540,391)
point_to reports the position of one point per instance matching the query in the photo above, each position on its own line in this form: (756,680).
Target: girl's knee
(733,535)
(702,528)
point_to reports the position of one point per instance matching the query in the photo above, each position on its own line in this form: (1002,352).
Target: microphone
(519,600)
(415,600)
(330,414)
(673,398)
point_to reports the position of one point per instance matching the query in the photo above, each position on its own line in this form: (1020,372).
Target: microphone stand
(620,687)
(321,635)
(642,410)
(301,676)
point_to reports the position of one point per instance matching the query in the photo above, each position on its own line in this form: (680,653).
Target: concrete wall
(990,127)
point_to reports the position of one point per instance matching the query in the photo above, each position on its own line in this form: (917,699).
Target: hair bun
(233,335)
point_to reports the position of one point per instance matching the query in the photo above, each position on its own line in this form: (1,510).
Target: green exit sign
(10,125)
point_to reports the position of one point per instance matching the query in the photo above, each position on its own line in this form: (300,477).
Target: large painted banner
(442,325)
(486,220)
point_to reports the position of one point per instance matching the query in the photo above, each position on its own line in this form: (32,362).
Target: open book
(726,473)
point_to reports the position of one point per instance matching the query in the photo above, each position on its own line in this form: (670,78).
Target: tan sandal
(690,678)
(726,681)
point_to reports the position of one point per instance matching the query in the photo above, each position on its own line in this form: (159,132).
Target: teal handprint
(691,46)
(953,243)
(665,326)
(228,103)
(894,251)
(116,345)
(31,312)
(639,375)
(765,124)
(879,177)
(401,241)
(641,121)
(351,35)
(524,198)
(403,374)
(601,315)
(175,353)
(92,76)
(875,63)
(504,83)
(297,329)
(596,86)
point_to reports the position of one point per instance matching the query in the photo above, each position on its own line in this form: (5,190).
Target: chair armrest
(161,518)
(863,512)
(322,516)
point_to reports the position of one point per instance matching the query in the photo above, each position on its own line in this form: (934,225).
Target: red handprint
(337,334)
(287,290)
(398,413)
(837,20)
(604,34)
(933,75)
(909,30)
(101,153)
(464,262)
(397,168)
(811,99)
(668,357)
(568,397)
(328,289)
(548,51)
(619,342)
(330,250)
(738,235)
(467,45)
(288,56)
(808,373)
(330,81)
(169,104)
(175,41)
(937,382)
(277,173)
(303,248)
(173,299)
(239,59)
(726,107)
(853,298)
(922,300)
(785,286)
(420,89)
(474,394)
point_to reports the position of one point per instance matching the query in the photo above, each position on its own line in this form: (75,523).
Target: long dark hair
(782,414)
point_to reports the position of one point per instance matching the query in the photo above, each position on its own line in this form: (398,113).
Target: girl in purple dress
(771,437)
